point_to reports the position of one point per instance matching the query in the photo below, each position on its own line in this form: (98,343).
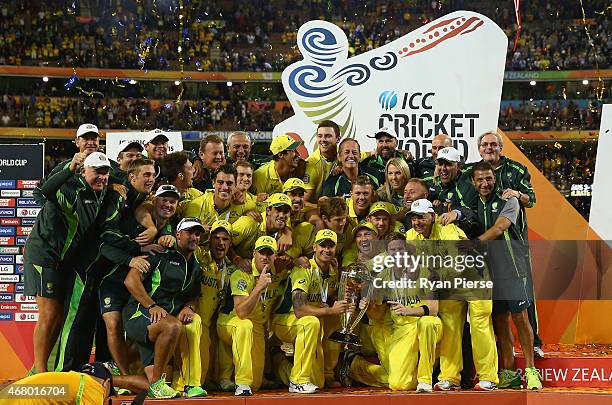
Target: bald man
(425,166)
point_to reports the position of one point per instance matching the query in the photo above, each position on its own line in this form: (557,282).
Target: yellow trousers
(412,352)
(306,334)
(453,315)
(248,345)
(378,336)
(188,351)
(331,349)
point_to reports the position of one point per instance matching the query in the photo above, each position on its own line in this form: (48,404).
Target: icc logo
(387,99)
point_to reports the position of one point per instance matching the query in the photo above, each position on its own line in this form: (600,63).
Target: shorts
(44,281)
(136,321)
(511,295)
(113,294)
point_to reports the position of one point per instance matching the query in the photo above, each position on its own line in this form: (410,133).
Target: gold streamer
(600,83)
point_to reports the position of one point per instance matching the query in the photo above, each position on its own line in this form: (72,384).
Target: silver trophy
(355,284)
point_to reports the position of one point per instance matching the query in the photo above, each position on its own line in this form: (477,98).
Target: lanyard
(398,297)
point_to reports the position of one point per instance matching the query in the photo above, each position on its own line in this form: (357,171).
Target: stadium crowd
(219,36)
(230,267)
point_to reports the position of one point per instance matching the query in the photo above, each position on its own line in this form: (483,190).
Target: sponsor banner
(6,278)
(28,212)
(115,141)
(10,193)
(7,231)
(7,240)
(6,297)
(28,221)
(377,89)
(24,230)
(595,372)
(7,288)
(24,298)
(29,307)
(6,316)
(19,287)
(7,184)
(10,221)
(27,202)
(9,250)
(7,202)
(25,162)
(21,240)
(7,212)
(7,259)
(19,259)
(27,193)
(7,269)
(27,184)
(256,136)
(20,269)
(9,307)
(26,316)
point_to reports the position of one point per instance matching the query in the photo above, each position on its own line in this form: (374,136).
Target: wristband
(152,305)
(425,310)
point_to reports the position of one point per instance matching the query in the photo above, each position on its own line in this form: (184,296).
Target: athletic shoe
(484,385)
(332,383)
(122,391)
(227,385)
(343,369)
(532,376)
(424,387)
(306,388)
(243,390)
(160,390)
(538,352)
(191,392)
(445,385)
(509,379)
(112,367)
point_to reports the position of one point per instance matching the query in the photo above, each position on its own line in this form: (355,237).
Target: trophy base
(346,338)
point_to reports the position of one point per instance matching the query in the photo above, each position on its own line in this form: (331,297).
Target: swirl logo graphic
(387,99)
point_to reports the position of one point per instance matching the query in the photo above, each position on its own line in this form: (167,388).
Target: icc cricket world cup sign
(444,77)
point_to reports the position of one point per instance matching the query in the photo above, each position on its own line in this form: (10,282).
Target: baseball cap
(381,206)
(133,144)
(278,199)
(97,369)
(87,129)
(449,154)
(293,183)
(221,224)
(326,234)
(384,131)
(167,189)
(189,223)
(420,207)
(154,134)
(266,242)
(96,160)
(365,224)
(282,143)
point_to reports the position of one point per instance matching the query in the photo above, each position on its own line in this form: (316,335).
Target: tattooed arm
(302,308)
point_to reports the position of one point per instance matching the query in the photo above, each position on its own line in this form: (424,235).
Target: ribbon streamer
(517,12)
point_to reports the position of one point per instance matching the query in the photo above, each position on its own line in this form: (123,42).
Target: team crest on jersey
(107,302)
(242,285)
(450,195)
(302,281)
(306,178)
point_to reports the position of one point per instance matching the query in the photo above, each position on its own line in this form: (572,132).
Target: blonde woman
(397,174)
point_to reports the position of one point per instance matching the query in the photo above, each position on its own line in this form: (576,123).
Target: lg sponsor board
(21,168)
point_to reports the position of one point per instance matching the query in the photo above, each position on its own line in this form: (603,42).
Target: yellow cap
(221,224)
(283,142)
(293,183)
(278,199)
(326,234)
(382,206)
(266,242)
(365,224)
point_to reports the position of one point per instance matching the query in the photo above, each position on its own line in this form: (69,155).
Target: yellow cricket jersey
(317,285)
(318,169)
(72,388)
(186,197)
(203,207)
(246,231)
(273,294)
(303,238)
(266,179)
(438,232)
(215,281)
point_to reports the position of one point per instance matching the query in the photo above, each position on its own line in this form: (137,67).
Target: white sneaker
(227,385)
(424,387)
(538,352)
(243,390)
(445,385)
(484,385)
(306,388)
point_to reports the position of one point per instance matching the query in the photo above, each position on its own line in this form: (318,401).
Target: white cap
(96,160)
(420,207)
(86,129)
(156,133)
(449,154)
(384,131)
(132,144)
(167,188)
(189,223)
